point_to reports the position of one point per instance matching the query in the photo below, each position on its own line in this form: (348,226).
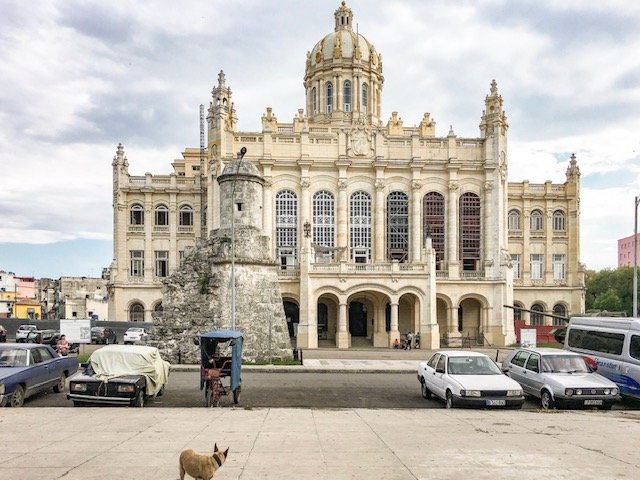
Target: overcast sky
(78,77)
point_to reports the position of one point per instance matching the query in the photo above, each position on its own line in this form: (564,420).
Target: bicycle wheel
(208,394)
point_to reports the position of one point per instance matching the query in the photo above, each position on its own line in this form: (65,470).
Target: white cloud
(79,77)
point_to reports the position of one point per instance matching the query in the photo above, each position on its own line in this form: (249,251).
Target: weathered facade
(377,228)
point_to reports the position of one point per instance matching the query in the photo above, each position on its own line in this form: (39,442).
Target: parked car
(560,378)
(49,337)
(26,369)
(23,331)
(134,334)
(103,335)
(3,334)
(120,375)
(45,337)
(466,378)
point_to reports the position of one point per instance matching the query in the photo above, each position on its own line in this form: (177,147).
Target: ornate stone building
(378,228)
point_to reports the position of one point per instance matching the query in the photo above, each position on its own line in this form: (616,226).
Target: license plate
(593,402)
(496,403)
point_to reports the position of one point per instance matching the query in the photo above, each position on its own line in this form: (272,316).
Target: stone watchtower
(200,296)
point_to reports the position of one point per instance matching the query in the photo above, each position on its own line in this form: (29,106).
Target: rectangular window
(136,267)
(515,261)
(536,266)
(558,267)
(162,263)
(597,341)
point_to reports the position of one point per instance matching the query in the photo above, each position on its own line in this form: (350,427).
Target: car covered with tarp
(120,375)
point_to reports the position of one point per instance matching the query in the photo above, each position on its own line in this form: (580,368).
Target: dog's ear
(226,452)
(215,447)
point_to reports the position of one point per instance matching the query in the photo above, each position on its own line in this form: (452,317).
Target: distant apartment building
(625,250)
(73,297)
(18,297)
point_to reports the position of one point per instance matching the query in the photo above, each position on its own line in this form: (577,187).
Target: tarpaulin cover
(113,361)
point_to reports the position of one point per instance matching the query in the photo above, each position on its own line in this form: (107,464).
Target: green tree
(610,289)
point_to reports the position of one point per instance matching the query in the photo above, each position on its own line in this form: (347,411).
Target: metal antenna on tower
(203,211)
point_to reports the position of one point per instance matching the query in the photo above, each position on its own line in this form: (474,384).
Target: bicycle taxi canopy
(212,344)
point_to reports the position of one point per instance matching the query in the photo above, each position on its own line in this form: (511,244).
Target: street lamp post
(635,259)
(243,150)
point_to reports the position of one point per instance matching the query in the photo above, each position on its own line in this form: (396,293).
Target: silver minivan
(614,345)
(560,378)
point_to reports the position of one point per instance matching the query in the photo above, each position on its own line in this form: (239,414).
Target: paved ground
(126,443)
(326,444)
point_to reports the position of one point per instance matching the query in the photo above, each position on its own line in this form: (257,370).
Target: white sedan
(134,335)
(466,378)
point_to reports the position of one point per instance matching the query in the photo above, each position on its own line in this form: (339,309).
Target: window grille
(287,228)
(360,227)
(347,95)
(397,226)
(324,220)
(470,234)
(365,98)
(536,317)
(329,97)
(136,313)
(186,216)
(434,224)
(162,263)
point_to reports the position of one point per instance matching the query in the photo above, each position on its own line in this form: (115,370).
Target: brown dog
(201,466)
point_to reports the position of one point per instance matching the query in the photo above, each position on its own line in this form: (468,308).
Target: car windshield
(13,357)
(473,365)
(96,329)
(134,330)
(564,364)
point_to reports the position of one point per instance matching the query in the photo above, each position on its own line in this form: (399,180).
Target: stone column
(342,217)
(393,332)
(453,338)
(379,209)
(452,230)
(489,234)
(415,224)
(343,339)
(267,214)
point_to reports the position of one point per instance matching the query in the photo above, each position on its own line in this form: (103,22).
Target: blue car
(27,368)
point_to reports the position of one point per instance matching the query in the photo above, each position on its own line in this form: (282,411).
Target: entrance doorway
(357,319)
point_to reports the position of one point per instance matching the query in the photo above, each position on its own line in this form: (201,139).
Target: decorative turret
(494,120)
(222,114)
(573,171)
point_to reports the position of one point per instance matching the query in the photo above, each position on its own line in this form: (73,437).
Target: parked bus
(614,344)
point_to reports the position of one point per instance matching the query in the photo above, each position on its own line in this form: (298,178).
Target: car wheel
(448,403)
(546,400)
(17,399)
(426,393)
(59,387)
(139,402)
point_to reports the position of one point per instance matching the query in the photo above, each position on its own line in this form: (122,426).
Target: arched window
(136,216)
(157,310)
(136,313)
(397,226)
(324,225)
(162,215)
(517,312)
(561,311)
(559,224)
(536,317)
(365,99)
(537,221)
(470,233)
(433,221)
(347,95)
(513,220)
(360,227)
(314,100)
(287,228)
(329,97)
(186,216)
